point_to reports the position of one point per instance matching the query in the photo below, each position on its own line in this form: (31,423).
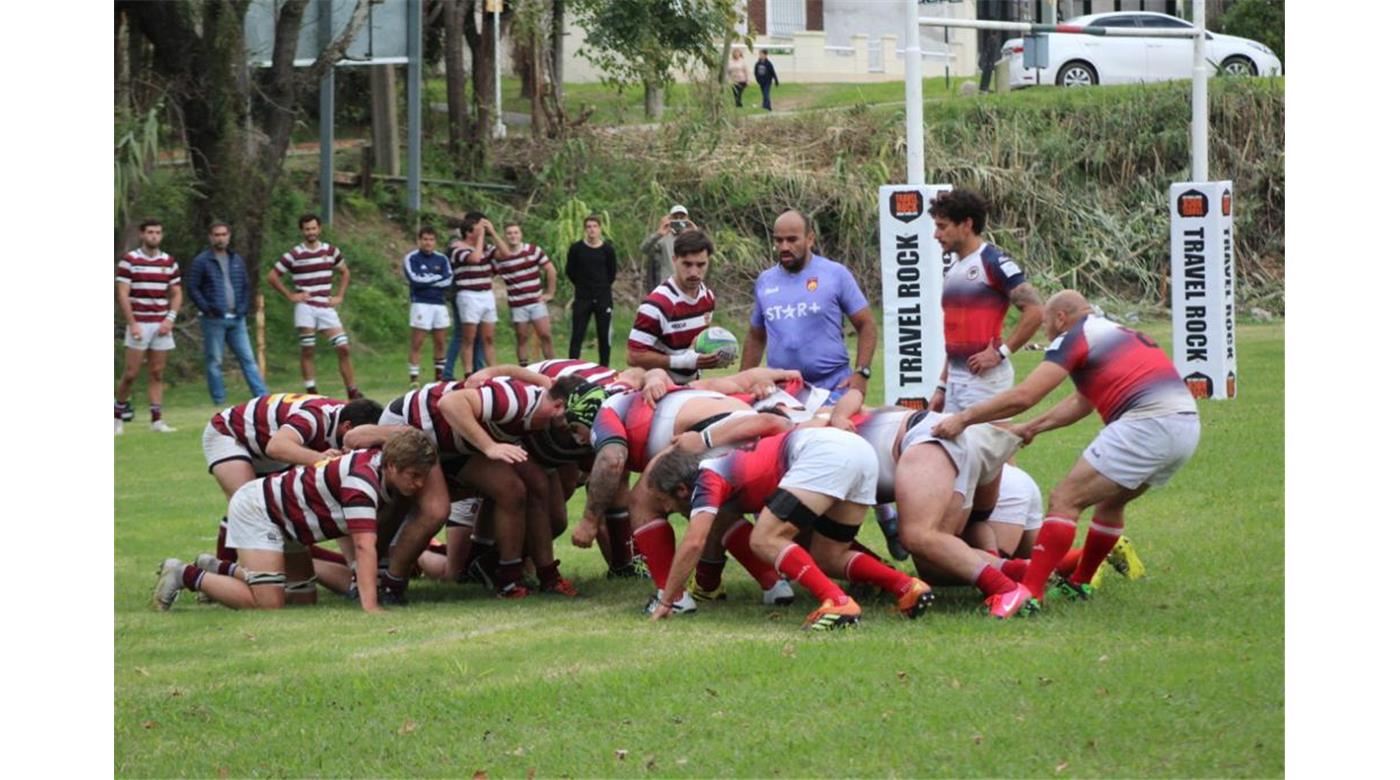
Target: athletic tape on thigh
(301,586)
(834,530)
(788,509)
(340,340)
(264,577)
(307,341)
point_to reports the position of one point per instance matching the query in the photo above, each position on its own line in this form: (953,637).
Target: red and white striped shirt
(521,272)
(506,407)
(331,499)
(472,275)
(149,279)
(668,322)
(254,423)
(311,271)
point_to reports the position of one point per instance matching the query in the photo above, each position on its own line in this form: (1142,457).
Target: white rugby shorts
(304,315)
(988,448)
(429,316)
(149,339)
(219,448)
(832,462)
(956,448)
(529,312)
(966,388)
(249,525)
(1020,502)
(476,306)
(1144,450)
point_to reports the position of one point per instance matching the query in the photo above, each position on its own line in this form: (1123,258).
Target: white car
(1078,60)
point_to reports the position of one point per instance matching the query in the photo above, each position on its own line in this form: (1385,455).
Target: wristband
(941,388)
(685,360)
(705,437)
(1005,352)
(170,316)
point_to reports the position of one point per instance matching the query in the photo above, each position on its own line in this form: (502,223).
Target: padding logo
(907,206)
(1200,385)
(917,404)
(1225,203)
(1230,378)
(1193,203)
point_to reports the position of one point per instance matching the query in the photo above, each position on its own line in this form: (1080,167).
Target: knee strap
(616,513)
(254,578)
(834,530)
(790,510)
(307,341)
(301,586)
(340,340)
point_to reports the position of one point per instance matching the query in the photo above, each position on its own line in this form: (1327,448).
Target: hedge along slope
(1078,180)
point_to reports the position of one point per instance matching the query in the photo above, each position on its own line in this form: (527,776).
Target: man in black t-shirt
(592,267)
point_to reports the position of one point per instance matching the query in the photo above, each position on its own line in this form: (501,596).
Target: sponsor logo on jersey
(906,206)
(812,284)
(973,271)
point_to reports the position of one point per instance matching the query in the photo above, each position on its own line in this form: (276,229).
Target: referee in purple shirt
(798,309)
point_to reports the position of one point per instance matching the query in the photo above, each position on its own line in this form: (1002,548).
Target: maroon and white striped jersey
(583,369)
(472,274)
(668,322)
(149,279)
(331,499)
(311,270)
(506,407)
(253,423)
(521,272)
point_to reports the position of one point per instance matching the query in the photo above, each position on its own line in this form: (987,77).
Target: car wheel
(1077,73)
(1238,66)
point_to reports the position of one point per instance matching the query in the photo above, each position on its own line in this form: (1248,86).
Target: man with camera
(658,248)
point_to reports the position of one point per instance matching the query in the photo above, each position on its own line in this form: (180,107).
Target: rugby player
(1150,430)
(302,506)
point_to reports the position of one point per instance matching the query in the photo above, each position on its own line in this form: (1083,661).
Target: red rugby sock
(1056,536)
(1097,545)
(799,567)
(865,568)
(736,541)
(656,541)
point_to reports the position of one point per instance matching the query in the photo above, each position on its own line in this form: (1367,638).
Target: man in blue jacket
(222,290)
(429,275)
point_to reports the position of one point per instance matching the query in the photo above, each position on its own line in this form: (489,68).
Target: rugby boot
(780,594)
(1125,560)
(169,582)
(700,594)
(830,616)
(1013,603)
(685,605)
(914,601)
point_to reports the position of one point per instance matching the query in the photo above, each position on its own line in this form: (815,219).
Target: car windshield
(1115,21)
(1149,20)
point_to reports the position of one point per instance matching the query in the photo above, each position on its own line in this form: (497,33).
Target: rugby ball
(717,340)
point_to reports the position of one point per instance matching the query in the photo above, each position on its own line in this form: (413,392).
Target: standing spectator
(797,312)
(429,275)
(677,311)
(657,248)
(475,335)
(519,264)
(738,71)
(592,267)
(978,288)
(222,290)
(766,76)
(311,264)
(148,292)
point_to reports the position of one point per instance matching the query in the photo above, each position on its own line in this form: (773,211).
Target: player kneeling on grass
(302,506)
(818,478)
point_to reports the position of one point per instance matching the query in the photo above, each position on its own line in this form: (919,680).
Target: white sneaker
(780,594)
(685,605)
(118,426)
(159,426)
(168,584)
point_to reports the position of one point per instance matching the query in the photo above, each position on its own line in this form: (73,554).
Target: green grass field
(1178,674)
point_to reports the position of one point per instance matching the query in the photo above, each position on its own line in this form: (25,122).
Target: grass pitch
(1178,674)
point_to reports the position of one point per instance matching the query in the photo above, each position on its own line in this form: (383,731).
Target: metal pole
(1200,107)
(499,131)
(913,95)
(947,58)
(323,35)
(415,104)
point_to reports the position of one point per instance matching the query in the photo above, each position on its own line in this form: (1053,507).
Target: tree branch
(335,52)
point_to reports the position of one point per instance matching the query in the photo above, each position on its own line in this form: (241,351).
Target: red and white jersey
(149,279)
(311,270)
(743,478)
(626,418)
(583,369)
(1121,371)
(253,423)
(506,408)
(668,322)
(469,273)
(331,499)
(976,295)
(521,272)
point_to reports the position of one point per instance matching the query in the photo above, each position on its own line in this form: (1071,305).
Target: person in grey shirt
(222,290)
(657,247)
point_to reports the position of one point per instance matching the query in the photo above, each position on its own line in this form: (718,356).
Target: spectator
(738,76)
(677,311)
(222,291)
(657,248)
(474,336)
(592,268)
(520,266)
(798,307)
(766,76)
(312,263)
(148,294)
(429,275)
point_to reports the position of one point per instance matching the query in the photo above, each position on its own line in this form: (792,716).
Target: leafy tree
(646,41)
(1260,20)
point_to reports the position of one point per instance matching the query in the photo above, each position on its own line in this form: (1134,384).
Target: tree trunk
(523,59)
(385,117)
(481,41)
(557,39)
(454,14)
(654,100)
